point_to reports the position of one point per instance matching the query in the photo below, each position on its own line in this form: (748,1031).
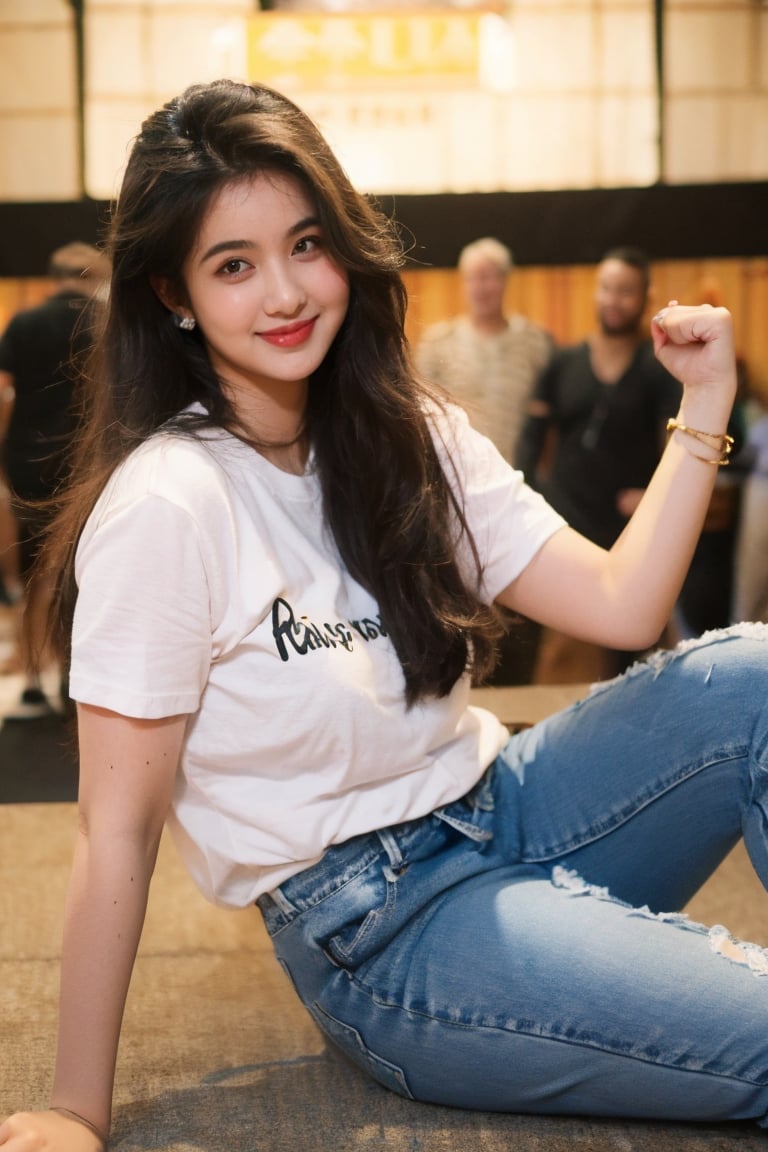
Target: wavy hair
(386,498)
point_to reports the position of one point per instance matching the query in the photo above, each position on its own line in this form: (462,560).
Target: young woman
(281,555)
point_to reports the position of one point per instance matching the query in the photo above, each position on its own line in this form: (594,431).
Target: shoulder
(188,471)
(441,331)
(444,418)
(20,323)
(567,357)
(13,342)
(462,450)
(523,328)
(31,325)
(27,316)
(171,505)
(647,363)
(29,319)
(646,358)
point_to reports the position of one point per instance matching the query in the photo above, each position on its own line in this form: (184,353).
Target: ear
(169,293)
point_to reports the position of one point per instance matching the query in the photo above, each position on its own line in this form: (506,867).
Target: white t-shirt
(209,585)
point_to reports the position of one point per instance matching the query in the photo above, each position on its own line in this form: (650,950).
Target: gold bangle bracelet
(81,1120)
(723,443)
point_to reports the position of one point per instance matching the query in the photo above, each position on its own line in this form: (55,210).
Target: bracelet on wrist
(718,441)
(81,1120)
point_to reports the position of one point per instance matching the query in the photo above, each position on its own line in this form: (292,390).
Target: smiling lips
(291,335)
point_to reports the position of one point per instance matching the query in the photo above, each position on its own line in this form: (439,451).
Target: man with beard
(594,434)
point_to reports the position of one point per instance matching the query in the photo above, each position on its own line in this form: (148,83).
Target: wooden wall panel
(755,327)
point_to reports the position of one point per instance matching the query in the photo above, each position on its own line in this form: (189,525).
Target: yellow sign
(339,51)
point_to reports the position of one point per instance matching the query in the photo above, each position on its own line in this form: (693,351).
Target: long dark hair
(389,505)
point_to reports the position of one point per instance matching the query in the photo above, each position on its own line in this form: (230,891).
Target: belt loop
(392,849)
(282,902)
(466,827)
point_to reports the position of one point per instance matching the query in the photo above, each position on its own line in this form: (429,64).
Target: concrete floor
(218,1055)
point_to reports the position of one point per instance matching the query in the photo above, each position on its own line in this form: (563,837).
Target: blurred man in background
(486,359)
(594,434)
(38,354)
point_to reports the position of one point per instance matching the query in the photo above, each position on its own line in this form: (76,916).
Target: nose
(609,298)
(283,294)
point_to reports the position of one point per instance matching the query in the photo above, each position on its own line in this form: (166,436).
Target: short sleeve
(141,642)
(509,522)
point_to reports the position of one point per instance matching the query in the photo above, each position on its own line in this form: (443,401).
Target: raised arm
(623,597)
(127,769)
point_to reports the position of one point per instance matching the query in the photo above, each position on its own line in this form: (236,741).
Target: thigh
(516,993)
(647,783)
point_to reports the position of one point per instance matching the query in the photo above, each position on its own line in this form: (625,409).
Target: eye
(233,267)
(308,245)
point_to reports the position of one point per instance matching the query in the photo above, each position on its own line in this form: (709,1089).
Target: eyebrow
(247,245)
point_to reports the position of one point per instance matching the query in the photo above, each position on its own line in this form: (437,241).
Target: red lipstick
(290,335)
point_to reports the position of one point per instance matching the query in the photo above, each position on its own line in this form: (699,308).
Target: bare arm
(623,597)
(127,769)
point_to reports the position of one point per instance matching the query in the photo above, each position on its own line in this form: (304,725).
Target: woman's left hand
(695,344)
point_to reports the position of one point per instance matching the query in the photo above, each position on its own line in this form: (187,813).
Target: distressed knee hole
(658,660)
(739,951)
(721,941)
(572,882)
(569,880)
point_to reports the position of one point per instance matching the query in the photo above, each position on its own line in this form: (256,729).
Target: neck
(488,325)
(272,411)
(74,284)
(616,341)
(612,353)
(287,457)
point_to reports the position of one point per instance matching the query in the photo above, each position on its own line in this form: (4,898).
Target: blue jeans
(522,949)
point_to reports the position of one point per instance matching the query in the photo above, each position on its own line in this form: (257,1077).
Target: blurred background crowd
(559,169)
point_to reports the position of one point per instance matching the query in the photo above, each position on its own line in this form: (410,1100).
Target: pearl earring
(187,323)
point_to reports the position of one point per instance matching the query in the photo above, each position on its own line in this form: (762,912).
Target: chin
(620,328)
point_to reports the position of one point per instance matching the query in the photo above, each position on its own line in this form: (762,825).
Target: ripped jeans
(521,950)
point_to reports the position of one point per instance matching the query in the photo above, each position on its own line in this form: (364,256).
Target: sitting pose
(281,559)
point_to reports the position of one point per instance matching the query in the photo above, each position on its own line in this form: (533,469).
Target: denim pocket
(371,922)
(351,1043)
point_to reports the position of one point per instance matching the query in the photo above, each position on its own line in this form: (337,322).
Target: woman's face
(267,296)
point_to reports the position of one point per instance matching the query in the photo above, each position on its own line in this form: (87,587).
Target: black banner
(671,222)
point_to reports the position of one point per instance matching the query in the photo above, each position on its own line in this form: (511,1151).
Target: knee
(741,647)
